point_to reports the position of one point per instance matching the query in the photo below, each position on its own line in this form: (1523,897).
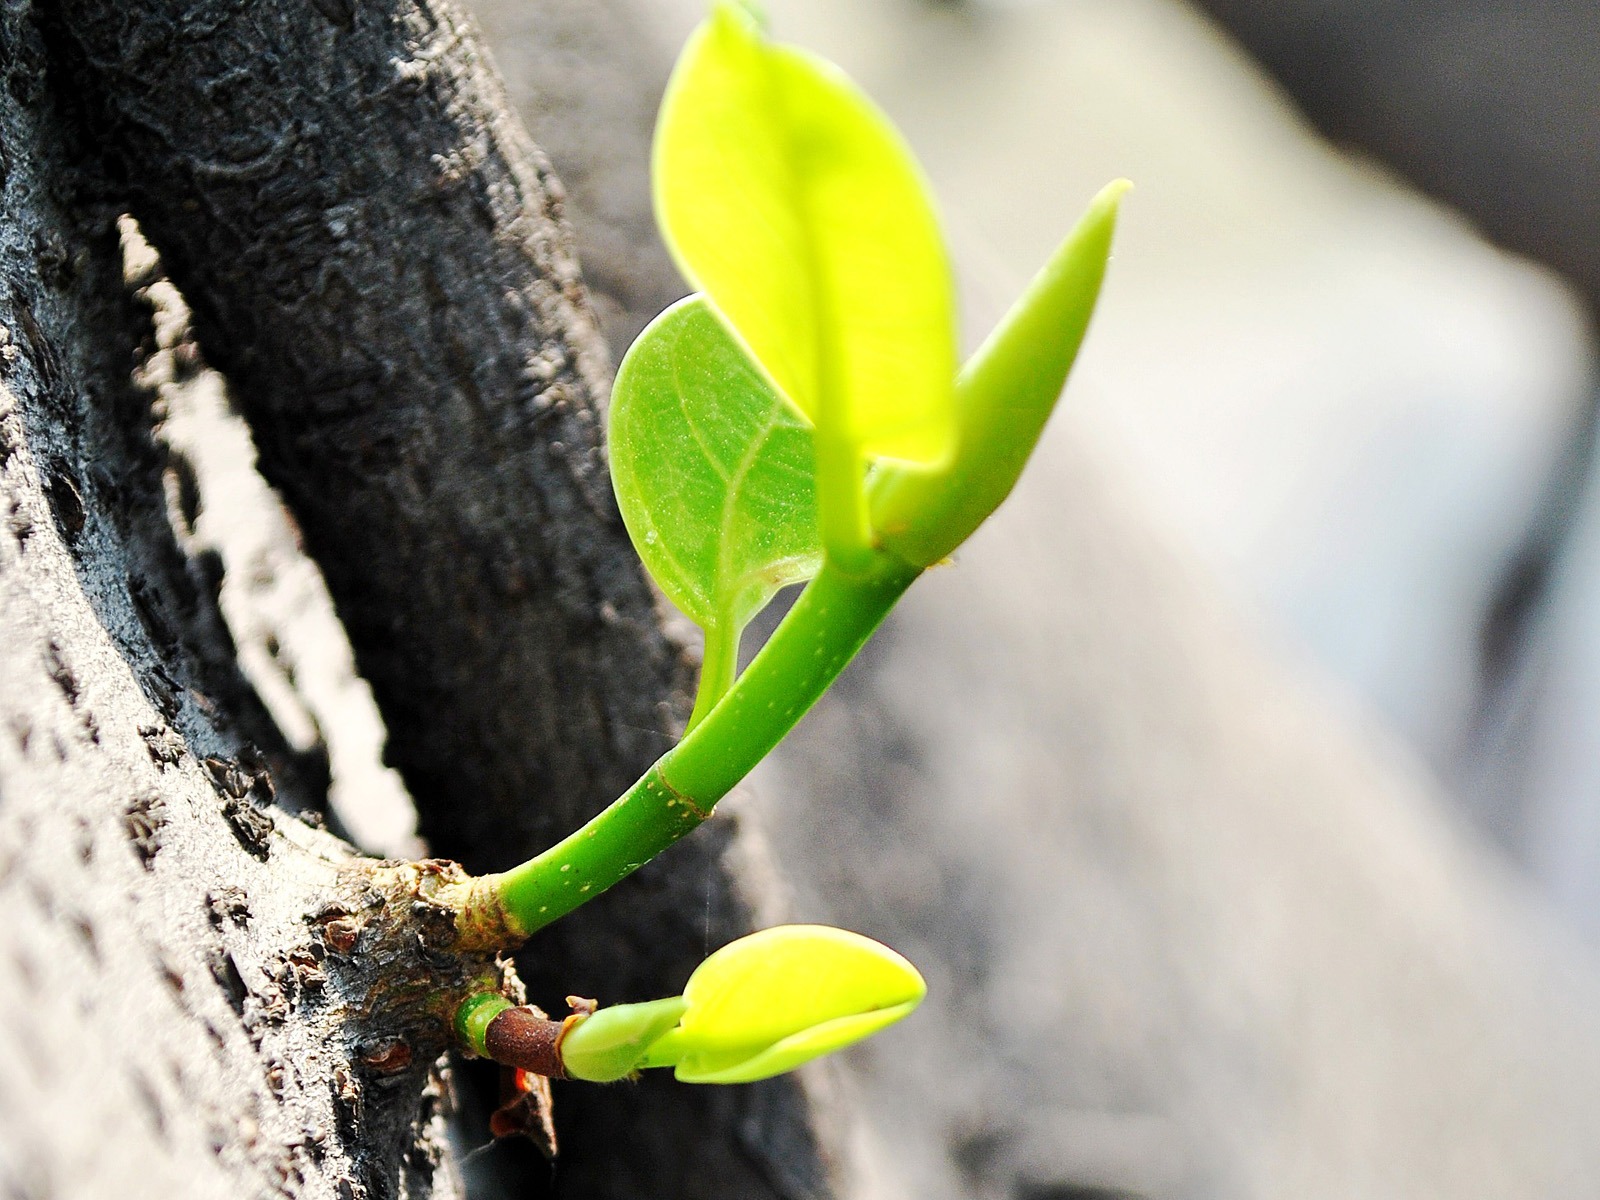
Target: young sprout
(768,1002)
(760,1006)
(800,418)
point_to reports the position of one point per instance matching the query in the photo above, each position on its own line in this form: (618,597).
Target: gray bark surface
(585,76)
(374,253)
(374,256)
(170,1023)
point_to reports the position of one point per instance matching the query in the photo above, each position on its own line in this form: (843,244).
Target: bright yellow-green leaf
(768,1002)
(790,1052)
(790,200)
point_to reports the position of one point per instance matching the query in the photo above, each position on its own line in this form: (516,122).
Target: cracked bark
(169,1022)
(374,255)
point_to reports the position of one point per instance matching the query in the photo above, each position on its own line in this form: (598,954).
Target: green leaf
(1004,395)
(714,473)
(790,199)
(793,1051)
(768,1002)
(608,1044)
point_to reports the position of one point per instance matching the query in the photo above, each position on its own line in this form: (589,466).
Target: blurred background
(1238,789)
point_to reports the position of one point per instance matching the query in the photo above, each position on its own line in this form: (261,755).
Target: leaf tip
(752,11)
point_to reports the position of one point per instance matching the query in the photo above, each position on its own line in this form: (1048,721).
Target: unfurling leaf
(771,1001)
(1004,395)
(789,199)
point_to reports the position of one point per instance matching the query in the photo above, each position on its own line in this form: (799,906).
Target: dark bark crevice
(373,261)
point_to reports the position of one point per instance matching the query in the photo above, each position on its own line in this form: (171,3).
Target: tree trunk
(171,1021)
(374,255)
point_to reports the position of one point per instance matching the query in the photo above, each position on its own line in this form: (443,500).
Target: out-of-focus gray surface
(1550,748)
(1492,107)
(1188,933)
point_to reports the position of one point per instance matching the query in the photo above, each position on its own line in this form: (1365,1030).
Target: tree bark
(170,1022)
(374,254)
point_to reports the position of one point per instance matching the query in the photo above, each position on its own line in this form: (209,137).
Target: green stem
(842,505)
(473,1017)
(718,665)
(827,626)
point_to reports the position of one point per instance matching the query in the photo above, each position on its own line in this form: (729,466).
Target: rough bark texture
(374,253)
(586,76)
(170,1023)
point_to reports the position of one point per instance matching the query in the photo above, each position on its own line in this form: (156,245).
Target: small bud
(766,1003)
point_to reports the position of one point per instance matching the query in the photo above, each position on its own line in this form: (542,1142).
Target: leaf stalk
(828,624)
(719,664)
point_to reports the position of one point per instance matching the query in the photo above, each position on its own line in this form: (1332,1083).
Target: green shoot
(768,1002)
(758,1007)
(612,1043)
(801,418)
(830,621)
